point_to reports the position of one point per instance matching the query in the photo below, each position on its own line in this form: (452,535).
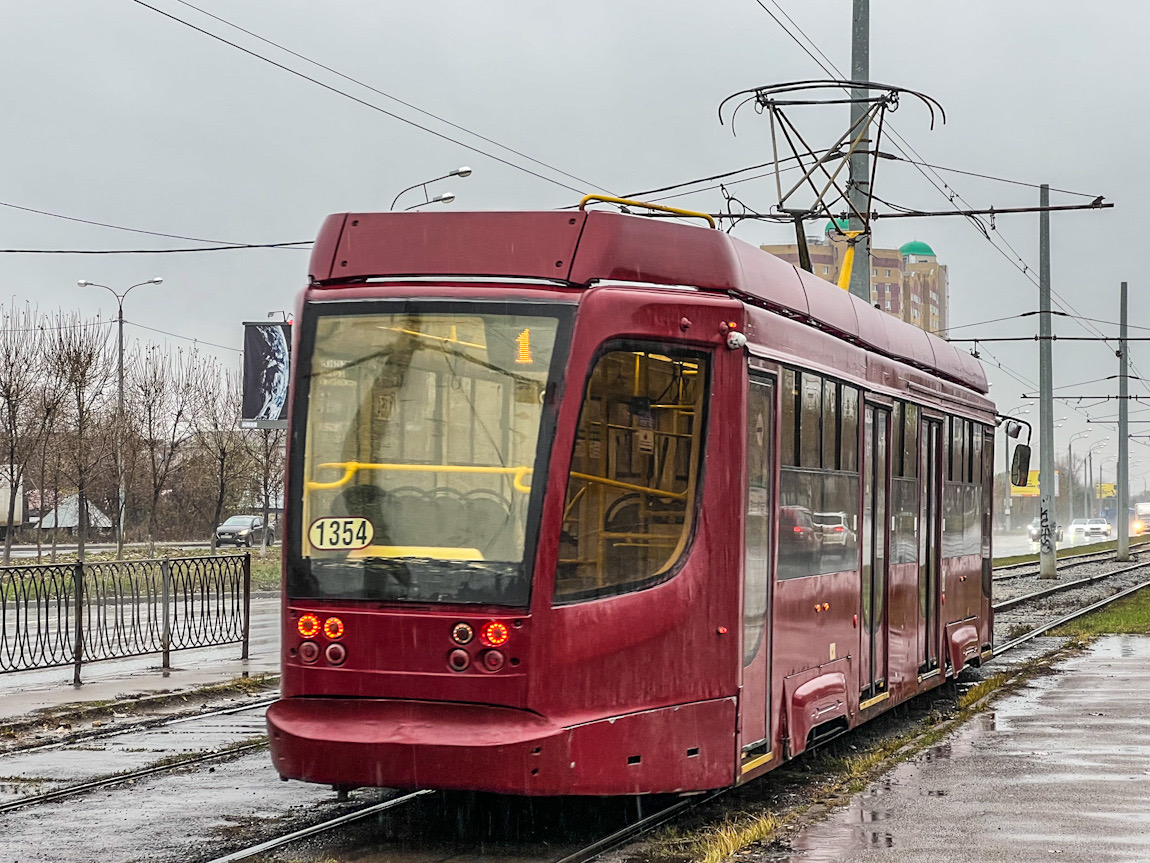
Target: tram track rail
(1028,568)
(583,855)
(1017,601)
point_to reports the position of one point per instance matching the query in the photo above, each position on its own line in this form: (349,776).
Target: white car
(1078,527)
(1098,527)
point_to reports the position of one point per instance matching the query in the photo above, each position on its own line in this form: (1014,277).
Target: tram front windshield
(421,452)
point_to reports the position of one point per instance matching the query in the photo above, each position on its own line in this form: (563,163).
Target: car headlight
(245,531)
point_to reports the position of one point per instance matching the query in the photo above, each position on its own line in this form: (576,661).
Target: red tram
(590,503)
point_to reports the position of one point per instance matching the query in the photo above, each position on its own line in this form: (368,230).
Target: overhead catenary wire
(185,338)
(333,89)
(899,143)
(294,244)
(12,206)
(386,95)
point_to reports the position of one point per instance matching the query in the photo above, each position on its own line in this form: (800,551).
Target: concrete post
(1122,513)
(1046,518)
(860,162)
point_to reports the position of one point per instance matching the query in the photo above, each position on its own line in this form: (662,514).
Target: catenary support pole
(1046,524)
(1122,513)
(859,186)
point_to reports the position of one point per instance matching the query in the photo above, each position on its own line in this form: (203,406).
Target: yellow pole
(848,260)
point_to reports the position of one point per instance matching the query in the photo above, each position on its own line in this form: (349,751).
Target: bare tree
(86,365)
(20,423)
(217,431)
(265,448)
(165,391)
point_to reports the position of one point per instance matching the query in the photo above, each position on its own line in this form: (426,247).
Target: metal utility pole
(1046,527)
(859,186)
(1122,514)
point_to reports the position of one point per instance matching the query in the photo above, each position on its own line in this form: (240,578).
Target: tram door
(930,501)
(874,539)
(756,691)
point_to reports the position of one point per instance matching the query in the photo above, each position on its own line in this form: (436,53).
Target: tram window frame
(810,414)
(833,443)
(830,424)
(849,440)
(896,431)
(674,563)
(910,440)
(788,417)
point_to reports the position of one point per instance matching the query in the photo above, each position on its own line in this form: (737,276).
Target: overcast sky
(114,113)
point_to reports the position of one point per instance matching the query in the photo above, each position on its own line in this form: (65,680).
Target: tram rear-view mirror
(1020,468)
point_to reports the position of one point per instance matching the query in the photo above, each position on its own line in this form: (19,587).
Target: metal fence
(54,615)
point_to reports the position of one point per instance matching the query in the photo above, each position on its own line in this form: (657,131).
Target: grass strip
(1072,551)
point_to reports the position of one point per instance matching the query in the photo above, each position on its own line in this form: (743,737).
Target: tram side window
(818,522)
(810,425)
(789,418)
(849,433)
(631,491)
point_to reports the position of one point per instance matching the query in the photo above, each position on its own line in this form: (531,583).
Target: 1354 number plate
(340,533)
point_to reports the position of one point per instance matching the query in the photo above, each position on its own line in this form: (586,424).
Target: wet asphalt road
(1060,771)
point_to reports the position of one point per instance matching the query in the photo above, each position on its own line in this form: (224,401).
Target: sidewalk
(22,692)
(1062,768)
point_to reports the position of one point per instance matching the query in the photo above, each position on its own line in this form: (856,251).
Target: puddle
(1060,768)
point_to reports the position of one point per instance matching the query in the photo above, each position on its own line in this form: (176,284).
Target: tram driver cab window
(631,491)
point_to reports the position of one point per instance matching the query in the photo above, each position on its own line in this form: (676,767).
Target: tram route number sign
(1031,487)
(340,534)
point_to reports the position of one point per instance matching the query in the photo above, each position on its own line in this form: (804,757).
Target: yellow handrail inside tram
(350,468)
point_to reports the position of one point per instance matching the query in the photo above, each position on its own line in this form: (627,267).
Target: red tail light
(797,529)
(838,528)
(308,626)
(492,660)
(333,628)
(494,633)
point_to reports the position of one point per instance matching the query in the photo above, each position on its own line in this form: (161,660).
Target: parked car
(1098,527)
(244,530)
(1034,528)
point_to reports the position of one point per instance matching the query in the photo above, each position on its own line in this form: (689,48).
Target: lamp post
(1089,497)
(445,198)
(1070,466)
(84,283)
(1021,411)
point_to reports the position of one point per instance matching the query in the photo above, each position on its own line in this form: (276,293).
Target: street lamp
(1070,467)
(84,283)
(445,198)
(1089,497)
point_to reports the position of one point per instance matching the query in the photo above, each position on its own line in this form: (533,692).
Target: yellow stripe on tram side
(757,762)
(871,702)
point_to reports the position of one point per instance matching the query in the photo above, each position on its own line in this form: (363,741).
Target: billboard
(267,366)
(1103,490)
(1031,487)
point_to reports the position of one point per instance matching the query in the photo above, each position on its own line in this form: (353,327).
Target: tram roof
(584,247)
